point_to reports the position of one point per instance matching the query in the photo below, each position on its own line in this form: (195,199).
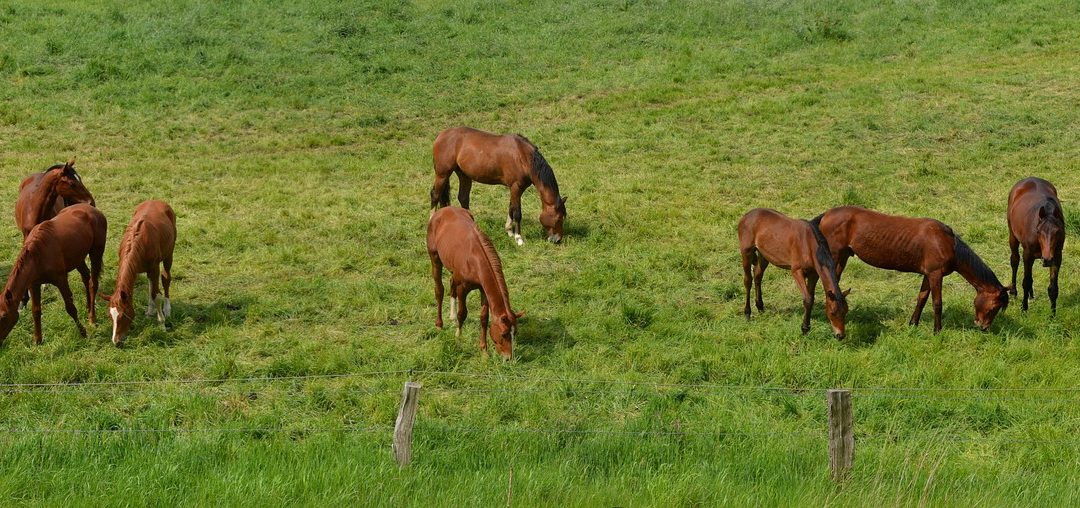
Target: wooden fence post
(841,434)
(404,425)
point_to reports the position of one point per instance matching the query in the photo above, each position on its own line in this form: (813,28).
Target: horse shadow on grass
(187,321)
(540,337)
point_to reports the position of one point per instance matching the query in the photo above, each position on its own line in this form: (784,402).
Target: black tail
(824,257)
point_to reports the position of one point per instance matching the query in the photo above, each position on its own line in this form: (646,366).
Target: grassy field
(294,141)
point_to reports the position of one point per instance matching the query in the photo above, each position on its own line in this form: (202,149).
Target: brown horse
(1036,222)
(454,241)
(913,245)
(42,195)
(51,250)
(509,160)
(767,236)
(147,243)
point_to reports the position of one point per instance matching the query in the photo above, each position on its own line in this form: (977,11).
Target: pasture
(294,144)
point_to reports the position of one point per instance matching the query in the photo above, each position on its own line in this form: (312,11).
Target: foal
(913,245)
(51,250)
(1036,222)
(767,236)
(42,195)
(509,160)
(148,242)
(454,241)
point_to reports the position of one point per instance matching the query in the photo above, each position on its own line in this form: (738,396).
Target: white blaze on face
(115,313)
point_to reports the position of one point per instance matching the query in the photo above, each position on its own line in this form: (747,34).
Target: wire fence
(436,381)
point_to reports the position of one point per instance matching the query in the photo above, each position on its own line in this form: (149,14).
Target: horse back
(785,242)
(906,244)
(153,225)
(75,232)
(454,236)
(483,156)
(24,212)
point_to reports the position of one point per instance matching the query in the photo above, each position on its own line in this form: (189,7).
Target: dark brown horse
(1036,222)
(509,160)
(51,250)
(454,241)
(913,245)
(148,242)
(767,236)
(42,195)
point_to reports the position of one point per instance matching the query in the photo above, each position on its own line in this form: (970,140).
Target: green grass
(294,144)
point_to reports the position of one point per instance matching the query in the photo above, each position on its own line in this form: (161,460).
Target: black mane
(824,257)
(542,169)
(966,256)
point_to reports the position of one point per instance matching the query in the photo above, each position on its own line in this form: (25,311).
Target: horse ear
(564,200)
(517,315)
(70,163)
(104,296)
(846,292)
(124,295)
(1042,212)
(8,296)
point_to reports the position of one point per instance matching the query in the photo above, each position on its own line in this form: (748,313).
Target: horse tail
(824,257)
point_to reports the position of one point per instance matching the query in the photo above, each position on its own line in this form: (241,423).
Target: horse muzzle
(555,239)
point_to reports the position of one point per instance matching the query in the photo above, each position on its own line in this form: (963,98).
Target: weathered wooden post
(841,434)
(404,425)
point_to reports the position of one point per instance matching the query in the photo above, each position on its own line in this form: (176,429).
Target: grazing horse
(509,160)
(767,236)
(43,195)
(454,241)
(51,250)
(1036,222)
(148,242)
(913,245)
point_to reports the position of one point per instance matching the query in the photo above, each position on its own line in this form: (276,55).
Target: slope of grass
(294,144)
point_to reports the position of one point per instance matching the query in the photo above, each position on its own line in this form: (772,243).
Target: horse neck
(22,274)
(43,199)
(493,284)
(968,269)
(129,265)
(548,196)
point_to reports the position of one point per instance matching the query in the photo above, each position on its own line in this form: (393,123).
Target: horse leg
(166,279)
(1014,261)
(464,189)
(759,271)
(152,274)
(935,293)
(840,261)
(1052,289)
(748,259)
(84,273)
(35,310)
(514,220)
(920,301)
(462,310)
(440,190)
(1029,260)
(61,283)
(807,284)
(436,274)
(483,323)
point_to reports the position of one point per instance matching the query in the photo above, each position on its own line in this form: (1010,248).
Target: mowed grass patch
(294,144)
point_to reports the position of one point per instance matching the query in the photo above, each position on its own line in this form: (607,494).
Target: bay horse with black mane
(493,159)
(1037,223)
(51,250)
(454,241)
(767,236)
(148,242)
(907,244)
(43,195)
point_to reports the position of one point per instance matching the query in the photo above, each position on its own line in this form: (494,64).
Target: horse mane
(29,247)
(55,166)
(541,168)
(824,257)
(966,256)
(130,248)
(496,266)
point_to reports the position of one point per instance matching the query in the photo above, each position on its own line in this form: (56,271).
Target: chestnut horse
(1036,222)
(454,241)
(147,243)
(42,195)
(913,245)
(767,236)
(51,250)
(509,160)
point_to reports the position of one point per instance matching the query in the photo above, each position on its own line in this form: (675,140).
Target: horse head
(836,309)
(69,185)
(122,312)
(988,302)
(551,217)
(504,333)
(9,313)
(1051,233)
